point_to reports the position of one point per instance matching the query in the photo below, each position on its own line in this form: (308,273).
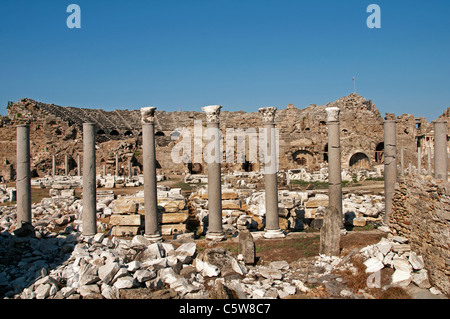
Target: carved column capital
(268,114)
(333,114)
(212,113)
(148,114)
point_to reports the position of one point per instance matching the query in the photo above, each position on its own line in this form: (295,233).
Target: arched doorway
(379,153)
(359,160)
(303,158)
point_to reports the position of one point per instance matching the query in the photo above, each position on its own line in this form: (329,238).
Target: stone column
(89,181)
(117,164)
(213,158)
(152,229)
(129,168)
(440,150)
(429,160)
(23,179)
(53,165)
(104,170)
(78,165)
(270,173)
(334,160)
(390,166)
(66,165)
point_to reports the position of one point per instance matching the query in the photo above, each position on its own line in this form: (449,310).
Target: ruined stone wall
(303,135)
(421,212)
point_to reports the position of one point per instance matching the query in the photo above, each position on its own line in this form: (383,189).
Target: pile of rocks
(395,252)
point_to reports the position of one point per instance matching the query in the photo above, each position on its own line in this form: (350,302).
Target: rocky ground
(54,261)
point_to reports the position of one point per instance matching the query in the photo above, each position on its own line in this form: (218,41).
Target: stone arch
(101,132)
(128,133)
(195,168)
(114,133)
(359,160)
(159,133)
(303,157)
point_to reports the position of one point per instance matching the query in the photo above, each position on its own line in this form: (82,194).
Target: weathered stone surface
(330,233)
(107,272)
(125,220)
(247,247)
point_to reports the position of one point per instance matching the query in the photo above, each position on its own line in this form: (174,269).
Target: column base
(215,236)
(154,238)
(274,233)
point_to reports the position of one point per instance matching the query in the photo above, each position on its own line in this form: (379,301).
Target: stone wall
(421,212)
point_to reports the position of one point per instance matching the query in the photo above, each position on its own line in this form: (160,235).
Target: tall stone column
(66,165)
(129,168)
(53,165)
(440,150)
(78,165)
(270,173)
(429,160)
(152,229)
(117,164)
(390,166)
(213,158)
(23,180)
(89,181)
(334,160)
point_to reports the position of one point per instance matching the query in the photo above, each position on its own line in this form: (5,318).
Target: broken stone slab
(279,265)
(270,273)
(125,282)
(187,248)
(373,265)
(108,271)
(246,247)
(402,264)
(144,275)
(416,261)
(87,290)
(401,278)
(420,278)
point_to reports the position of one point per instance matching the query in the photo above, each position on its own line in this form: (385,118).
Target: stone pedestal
(272,229)
(213,158)
(390,166)
(152,229)
(334,160)
(440,150)
(89,181)
(23,179)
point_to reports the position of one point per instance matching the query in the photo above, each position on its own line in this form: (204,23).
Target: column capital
(333,114)
(212,113)
(148,114)
(268,114)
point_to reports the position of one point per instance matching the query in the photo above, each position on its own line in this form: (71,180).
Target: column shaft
(334,166)
(215,230)
(390,166)
(150,191)
(89,181)
(23,179)
(440,150)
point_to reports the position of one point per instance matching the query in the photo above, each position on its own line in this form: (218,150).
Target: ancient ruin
(158,197)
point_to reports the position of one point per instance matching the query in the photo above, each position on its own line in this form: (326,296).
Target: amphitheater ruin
(108,243)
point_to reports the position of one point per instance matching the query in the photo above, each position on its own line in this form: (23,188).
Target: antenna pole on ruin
(354,85)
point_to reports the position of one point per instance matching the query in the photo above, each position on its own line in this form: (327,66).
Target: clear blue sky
(242,54)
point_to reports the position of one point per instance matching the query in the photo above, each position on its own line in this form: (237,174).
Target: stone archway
(379,153)
(359,160)
(303,158)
